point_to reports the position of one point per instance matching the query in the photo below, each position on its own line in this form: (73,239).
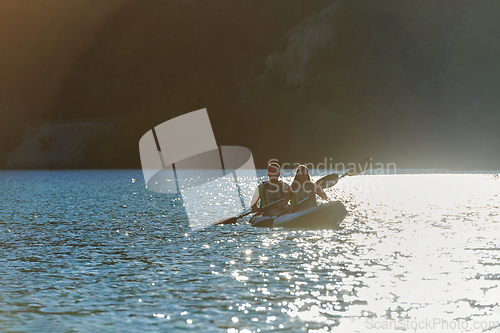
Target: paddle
(358,168)
(323,181)
(232,220)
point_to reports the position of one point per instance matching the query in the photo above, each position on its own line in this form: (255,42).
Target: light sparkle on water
(425,247)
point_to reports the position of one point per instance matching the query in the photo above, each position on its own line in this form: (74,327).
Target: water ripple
(94,251)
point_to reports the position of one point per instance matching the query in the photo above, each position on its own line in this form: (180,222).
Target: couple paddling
(302,192)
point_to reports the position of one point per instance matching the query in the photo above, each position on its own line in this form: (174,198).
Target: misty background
(415,83)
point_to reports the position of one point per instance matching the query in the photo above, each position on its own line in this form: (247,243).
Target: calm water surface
(94,251)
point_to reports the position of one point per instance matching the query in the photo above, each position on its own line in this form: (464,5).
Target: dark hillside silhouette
(415,83)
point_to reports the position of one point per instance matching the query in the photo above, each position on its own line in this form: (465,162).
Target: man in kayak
(302,192)
(270,191)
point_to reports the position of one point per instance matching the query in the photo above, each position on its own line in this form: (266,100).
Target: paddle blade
(229,220)
(360,167)
(323,181)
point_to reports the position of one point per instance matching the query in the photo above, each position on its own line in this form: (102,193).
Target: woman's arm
(320,192)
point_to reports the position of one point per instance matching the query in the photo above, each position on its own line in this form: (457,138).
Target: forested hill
(415,83)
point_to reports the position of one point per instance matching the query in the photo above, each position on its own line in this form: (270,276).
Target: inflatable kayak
(326,216)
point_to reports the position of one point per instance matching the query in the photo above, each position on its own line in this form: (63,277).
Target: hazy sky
(41,41)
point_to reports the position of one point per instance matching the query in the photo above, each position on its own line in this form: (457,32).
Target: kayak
(326,216)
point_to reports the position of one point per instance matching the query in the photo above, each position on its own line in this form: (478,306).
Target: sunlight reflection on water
(95,251)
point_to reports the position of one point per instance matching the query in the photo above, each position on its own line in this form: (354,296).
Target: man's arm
(255,200)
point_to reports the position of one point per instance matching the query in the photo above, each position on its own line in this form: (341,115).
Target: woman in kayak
(302,192)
